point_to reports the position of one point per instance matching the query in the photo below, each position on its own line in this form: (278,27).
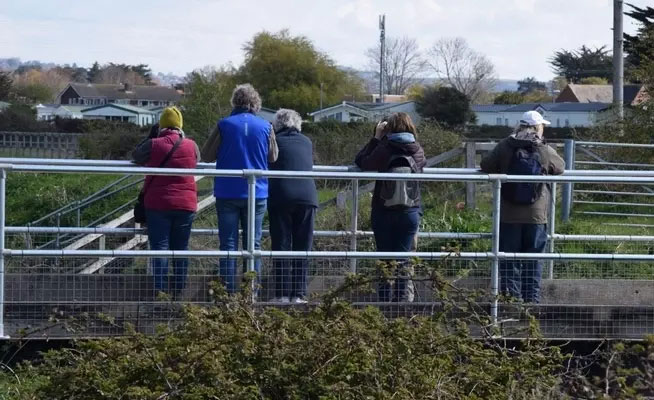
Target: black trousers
(291,228)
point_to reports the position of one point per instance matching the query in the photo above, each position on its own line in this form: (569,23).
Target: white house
(349,111)
(48,112)
(120,112)
(559,114)
(267,113)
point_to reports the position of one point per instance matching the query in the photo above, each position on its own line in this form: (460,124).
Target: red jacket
(171,192)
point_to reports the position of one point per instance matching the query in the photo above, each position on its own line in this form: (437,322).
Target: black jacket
(376,155)
(295,154)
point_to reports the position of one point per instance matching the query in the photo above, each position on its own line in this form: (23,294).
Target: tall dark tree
(583,63)
(530,84)
(446,105)
(5,85)
(144,71)
(94,72)
(640,47)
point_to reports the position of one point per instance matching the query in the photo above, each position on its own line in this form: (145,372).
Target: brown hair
(401,122)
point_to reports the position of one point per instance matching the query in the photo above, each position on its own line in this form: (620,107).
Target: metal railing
(351,255)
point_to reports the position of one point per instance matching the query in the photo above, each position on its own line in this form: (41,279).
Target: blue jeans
(521,278)
(230,213)
(169,230)
(291,228)
(395,230)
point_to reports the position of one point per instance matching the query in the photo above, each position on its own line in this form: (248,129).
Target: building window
(498,121)
(506,121)
(338,116)
(144,103)
(567,123)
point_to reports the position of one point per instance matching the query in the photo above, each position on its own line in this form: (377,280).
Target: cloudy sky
(178,36)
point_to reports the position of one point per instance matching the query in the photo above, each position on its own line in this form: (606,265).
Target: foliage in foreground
(334,351)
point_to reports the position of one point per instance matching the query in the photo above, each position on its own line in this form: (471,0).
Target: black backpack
(524,161)
(401,194)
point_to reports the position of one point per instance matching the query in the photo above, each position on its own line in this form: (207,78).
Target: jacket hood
(402,137)
(171,131)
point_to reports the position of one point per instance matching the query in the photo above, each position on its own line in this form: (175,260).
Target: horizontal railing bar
(613,203)
(316,168)
(614,192)
(614,214)
(326,255)
(615,164)
(606,144)
(214,232)
(629,225)
(625,177)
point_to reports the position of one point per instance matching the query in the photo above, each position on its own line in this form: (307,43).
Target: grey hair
(530,129)
(245,96)
(286,118)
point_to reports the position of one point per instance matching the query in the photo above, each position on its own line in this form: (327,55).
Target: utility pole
(382,40)
(321,96)
(618,60)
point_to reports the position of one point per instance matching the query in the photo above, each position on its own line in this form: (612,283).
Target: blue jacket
(244,141)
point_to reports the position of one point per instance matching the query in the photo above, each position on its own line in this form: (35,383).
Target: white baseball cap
(532,118)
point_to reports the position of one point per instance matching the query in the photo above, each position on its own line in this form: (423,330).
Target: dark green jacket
(497,162)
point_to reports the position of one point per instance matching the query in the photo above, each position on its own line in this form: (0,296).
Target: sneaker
(299,300)
(283,299)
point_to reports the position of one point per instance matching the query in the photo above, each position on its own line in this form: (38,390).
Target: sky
(519,36)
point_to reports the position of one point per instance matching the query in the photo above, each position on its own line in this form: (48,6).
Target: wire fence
(594,285)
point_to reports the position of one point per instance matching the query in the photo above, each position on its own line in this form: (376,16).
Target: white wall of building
(558,119)
(116,114)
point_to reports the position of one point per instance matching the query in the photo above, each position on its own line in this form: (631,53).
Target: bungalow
(559,114)
(572,93)
(120,112)
(349,111)
(91,94)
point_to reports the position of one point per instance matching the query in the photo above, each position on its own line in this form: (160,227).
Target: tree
(5,85)
(640,47)
(508,97)
(446,105)
(119,73)
(288,72)
(34,93)
(463,68)
(593,80)
(94,72)
(403,64)
(583,63)
(537,96)
(530,84)
(207,98)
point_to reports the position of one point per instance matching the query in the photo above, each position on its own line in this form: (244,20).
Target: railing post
(354,223)
(551,230)
(495,271)
(567,194)
(79,215)
(3,178)
(251,228)
(471,162)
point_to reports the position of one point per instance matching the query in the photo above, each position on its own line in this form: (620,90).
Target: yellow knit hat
(171,117)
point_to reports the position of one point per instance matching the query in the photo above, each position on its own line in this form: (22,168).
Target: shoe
(299,300)
(283,299)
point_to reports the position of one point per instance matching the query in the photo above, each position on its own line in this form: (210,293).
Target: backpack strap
(409,160)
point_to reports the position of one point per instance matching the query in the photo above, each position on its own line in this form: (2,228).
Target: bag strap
(409,160)
(165,160)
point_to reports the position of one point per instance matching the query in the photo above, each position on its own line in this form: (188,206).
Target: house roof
(602,93)
(72,109)
(362,106)
(270,110)
(117,91)
(551,107)
(124,107)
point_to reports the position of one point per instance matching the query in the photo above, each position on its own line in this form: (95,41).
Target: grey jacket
(497,162)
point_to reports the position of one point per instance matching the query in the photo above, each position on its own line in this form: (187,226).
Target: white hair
(285,118)
(245,96)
